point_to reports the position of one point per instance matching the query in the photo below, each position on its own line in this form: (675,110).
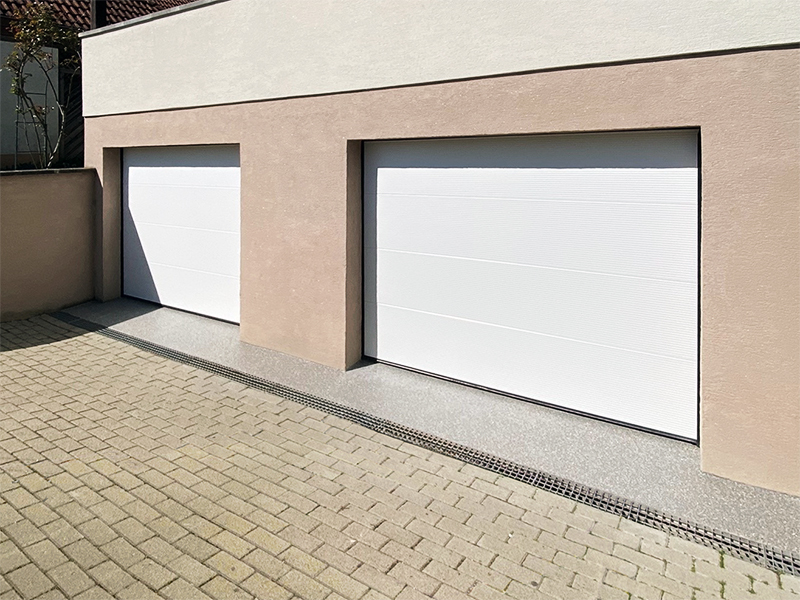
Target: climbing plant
(41,44)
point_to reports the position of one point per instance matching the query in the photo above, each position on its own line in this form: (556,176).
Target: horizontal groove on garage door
(755,552)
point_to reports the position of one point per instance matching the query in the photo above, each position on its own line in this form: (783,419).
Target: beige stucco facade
(47,234)
(301,213)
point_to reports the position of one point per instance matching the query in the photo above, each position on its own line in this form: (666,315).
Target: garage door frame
(123,198)
(697,130)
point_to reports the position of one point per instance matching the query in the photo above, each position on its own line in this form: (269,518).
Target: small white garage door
(558,268)
(180,228)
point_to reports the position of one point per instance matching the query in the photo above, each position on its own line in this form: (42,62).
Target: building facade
(595,205)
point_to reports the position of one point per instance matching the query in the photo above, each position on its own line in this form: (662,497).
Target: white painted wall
(242,50)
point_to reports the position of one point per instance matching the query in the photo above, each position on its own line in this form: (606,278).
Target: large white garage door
(559,268)
(180,228)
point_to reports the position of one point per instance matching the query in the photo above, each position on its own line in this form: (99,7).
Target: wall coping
(47,171)
(151,17)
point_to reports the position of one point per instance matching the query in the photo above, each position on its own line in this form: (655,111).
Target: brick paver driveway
(125,474)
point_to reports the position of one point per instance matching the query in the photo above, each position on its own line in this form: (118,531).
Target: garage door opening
(181,228)
(559,268)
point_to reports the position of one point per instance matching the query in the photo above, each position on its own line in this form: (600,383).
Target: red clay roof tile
(78,12)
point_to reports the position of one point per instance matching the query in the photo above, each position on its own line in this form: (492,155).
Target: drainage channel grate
(733,545)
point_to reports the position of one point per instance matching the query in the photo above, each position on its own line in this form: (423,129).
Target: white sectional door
(558,268)
(180,228)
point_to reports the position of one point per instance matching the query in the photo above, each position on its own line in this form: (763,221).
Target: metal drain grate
(733,545)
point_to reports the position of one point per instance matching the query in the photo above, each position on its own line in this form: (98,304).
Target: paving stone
(94,593)
(196,486)
(231,522)
(8,515)
(10,557)
(222,589)
(372,557)
(97,532)
(191,570)
(110,576)
(39,514)
(267,541)
(139,591)
(70,578)
(303,585)
(141,511)
(133,531)
(231,543)
(61,533)
(181,589)
(29,581)
(416,579)
(376,580)
(167,529)
(84,553)
(34,482)
(24,533)
(66,482)
(265,589)
(265,563)
(196,547)
(53,594)
(46,555)
(151,573)
(342,583)
(20,498)
(230,566)
(200,526)
(302,561)
(122,552)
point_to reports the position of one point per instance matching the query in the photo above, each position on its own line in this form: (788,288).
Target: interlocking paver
(152,573)
(125,474)
(122,552)
(46,555)
(29,581)
(71,578)
(10,557)
(192,570)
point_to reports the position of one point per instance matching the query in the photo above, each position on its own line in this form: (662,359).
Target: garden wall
(47,238)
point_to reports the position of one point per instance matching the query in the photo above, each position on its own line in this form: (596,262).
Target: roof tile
(78,12)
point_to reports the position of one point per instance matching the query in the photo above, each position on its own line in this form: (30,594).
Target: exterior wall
(46,241)
(244,50)
(301,203)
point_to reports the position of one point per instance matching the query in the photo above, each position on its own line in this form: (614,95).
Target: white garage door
(558,268)
(180,228)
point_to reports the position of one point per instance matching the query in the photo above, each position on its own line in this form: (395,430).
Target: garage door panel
(639,186)
(563,372)
(674,149)
(206,166)
(184,177)
(559,268)
(202,293)
(181,224)
(622,239)
(215,209)
(644,315)
(198,249)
